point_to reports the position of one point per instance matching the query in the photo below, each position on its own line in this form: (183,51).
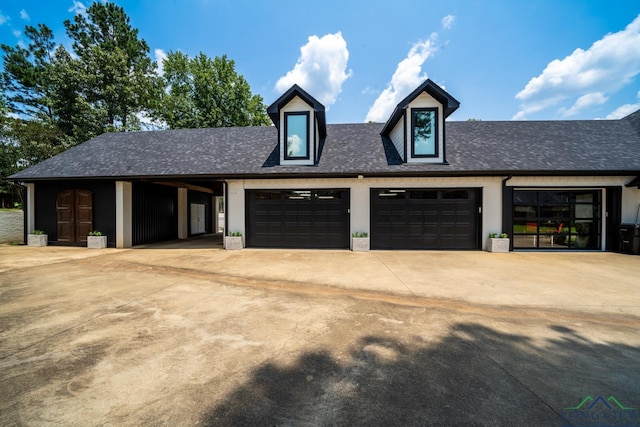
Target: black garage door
(425,218)
(298,218)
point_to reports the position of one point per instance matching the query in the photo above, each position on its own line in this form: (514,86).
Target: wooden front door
(74,211)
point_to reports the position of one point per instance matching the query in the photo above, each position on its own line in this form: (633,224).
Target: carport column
(183,229)
(31,207)
(124,217)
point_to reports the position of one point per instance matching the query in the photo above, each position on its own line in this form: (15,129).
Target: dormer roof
(274,109)
(449,103)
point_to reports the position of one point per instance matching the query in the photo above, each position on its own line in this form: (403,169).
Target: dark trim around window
(286,132)
(435,126)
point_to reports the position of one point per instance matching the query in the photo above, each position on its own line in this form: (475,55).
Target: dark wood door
(74,212)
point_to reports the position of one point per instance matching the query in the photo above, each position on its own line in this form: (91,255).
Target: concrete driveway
(175,335)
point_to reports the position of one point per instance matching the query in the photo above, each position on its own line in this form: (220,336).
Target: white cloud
(447,21)
(24,15)
(294,145)
(78,8)
(407,77)
(17,33)
(3,18)
(160,57)
(608,65)
(321,68)
(585,101)
(624,110)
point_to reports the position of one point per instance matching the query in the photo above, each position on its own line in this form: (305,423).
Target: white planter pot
(233,242)
(360,244)
(37,239)
(498,244)
(96,242)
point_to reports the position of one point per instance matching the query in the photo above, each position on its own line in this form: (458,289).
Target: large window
(424,132)
(550,219)
(297,135)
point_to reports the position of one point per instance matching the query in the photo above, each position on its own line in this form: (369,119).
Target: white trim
(124,217)
(31,207)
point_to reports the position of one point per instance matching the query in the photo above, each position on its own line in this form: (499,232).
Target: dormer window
(302,128)
(297,135)
(416,127)
(424,132)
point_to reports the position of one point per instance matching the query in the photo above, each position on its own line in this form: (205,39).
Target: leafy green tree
(117,77)
(27,72)
(204,92)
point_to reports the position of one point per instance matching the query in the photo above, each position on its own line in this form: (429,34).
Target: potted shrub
(95,240)
(498,243)
(360,241)
(233,240)
(37,238)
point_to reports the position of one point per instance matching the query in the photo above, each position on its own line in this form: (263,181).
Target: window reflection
(423,125)
(297,131)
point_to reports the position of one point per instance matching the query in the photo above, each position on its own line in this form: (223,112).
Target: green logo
(601,412)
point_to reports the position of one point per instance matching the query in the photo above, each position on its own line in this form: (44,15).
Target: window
(424,134)
(296,130)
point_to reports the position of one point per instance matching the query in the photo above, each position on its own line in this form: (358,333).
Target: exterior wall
(298,105)
(424,100)
(104,200)
(397,137)
(360,196)
(154,213)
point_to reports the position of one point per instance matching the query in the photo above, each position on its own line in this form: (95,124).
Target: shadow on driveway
(474,376)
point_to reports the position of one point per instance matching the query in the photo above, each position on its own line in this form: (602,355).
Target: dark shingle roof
(473,148)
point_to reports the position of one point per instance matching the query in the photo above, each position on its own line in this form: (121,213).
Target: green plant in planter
(360,234)
(37,232)
(503,235)
(95,233)
(235,234)
(493,235)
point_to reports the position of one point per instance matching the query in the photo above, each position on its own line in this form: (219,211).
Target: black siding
(104,206)
(155,213)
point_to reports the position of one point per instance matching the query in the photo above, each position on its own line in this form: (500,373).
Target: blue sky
(503,60)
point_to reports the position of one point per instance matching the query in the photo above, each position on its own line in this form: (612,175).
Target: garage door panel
(424,219)
(299,219)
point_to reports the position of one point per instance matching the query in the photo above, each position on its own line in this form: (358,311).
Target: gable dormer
(417,125)
(301,125)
